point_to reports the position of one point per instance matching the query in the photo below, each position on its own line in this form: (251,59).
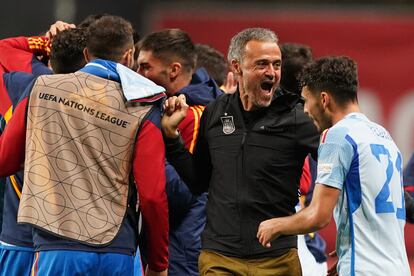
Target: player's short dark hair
(85,23)
(213,61)
(169,45)
(109,37)
(66,55)
(294,57)
(336,75)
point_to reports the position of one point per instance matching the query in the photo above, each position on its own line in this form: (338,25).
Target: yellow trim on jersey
(15,186)
(8,114)
(197,111)
(195,130)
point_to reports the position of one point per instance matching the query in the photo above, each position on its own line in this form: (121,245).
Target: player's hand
(268,231)
(332,270)
(57,27)
(150,272)
(175,110)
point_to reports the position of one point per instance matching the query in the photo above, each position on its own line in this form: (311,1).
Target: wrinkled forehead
(255,49)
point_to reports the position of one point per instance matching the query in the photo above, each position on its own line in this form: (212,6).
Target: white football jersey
(360,158)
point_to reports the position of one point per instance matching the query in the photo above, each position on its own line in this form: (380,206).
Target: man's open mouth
(267,86)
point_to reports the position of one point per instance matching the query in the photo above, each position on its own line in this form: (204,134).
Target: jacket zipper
(244,195)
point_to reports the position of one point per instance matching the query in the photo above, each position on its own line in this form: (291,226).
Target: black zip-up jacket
(250,163)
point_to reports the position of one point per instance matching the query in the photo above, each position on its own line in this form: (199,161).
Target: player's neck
(340,113)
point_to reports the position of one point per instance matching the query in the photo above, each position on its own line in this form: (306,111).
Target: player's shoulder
(335,134)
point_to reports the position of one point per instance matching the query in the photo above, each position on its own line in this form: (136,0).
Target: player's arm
(190,126)
(149,174)
(16,53)
(194,169)
(312,218)
(12,141)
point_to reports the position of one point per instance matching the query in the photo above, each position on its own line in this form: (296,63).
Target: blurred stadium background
(379,35)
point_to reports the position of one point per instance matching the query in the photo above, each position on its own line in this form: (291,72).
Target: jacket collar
(201,90)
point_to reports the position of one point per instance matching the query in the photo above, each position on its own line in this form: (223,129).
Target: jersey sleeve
(195,169)
(13,137)
(190,126)
(149,175)
(335,156)
(16,54)
(14,86)
(12,141)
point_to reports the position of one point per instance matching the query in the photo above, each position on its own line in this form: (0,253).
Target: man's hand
(268,231)
(150,272)
(175,110)
(58,27)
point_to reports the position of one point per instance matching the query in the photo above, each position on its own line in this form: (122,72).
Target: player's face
(259,74)
(314,108)
(153,68)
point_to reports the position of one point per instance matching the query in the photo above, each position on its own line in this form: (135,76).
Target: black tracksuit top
(252,173)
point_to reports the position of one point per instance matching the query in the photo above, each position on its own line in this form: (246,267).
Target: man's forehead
(256,48)
(145,55)
(261,44)
(148,56)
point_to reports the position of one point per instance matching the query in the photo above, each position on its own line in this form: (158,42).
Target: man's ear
(174,70)
(128,58)
(235,67)
(325,99)
(86,55)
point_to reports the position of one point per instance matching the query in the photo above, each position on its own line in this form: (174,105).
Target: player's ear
(86,54)
(128,58)
(174,69)
(325,99)
(235,67)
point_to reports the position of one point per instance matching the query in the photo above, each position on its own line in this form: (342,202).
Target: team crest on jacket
(228,124)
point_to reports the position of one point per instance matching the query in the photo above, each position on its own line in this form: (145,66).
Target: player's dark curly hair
(109,37)
(66,55)
(336,75)
(171,44)
(294,57)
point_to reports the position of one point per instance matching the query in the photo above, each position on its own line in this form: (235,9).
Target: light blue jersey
(360,158)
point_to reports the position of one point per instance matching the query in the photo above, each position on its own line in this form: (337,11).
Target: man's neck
(342,112)
(179,84)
